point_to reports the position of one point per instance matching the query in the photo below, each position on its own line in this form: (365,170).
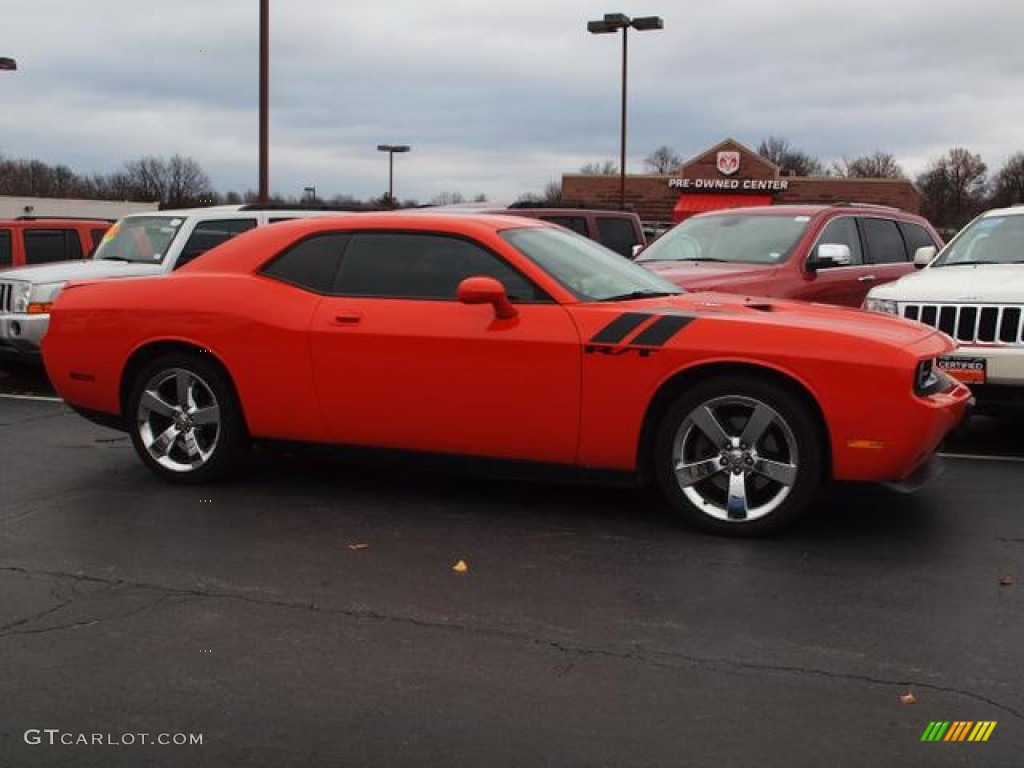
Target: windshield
(992,240)
(589,270)
(139,238)
(730,237)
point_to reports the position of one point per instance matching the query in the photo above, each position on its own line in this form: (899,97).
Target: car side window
(577,224)
(43,246)
(843,231)
(208,234)
(421,266)
(310,264)
(95,237)
(617,234)
(883,241)
(6,255)
(915,236)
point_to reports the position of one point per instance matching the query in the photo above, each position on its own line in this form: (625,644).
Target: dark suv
(28,240)
(622,231)
(828,253)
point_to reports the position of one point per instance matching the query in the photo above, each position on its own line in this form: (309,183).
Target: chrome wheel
(735,458)
(178,420)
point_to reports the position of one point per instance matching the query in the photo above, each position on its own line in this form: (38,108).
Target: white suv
(972,290)
(140,244)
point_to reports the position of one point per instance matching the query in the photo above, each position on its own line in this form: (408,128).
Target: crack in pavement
(661,659)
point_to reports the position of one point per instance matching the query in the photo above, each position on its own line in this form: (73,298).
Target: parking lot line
(980,457)
(39,398)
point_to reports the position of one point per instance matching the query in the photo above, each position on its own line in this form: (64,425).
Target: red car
(827,253)
(505,338)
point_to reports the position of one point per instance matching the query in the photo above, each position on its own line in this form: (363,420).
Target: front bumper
(21,336)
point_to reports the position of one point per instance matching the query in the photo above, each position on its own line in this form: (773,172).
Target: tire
(739,456)
(185,420)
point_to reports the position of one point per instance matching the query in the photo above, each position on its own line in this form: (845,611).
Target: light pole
(310,195)
(264,151)
(611,23)
(391,149)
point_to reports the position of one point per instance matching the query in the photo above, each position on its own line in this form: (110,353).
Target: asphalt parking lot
(308,613)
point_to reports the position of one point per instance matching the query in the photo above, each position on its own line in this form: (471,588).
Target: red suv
(28,240)
(828,253)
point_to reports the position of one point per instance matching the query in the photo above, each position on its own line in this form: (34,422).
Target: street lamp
(264,140)
(310,195)
(391,149)
(8,64)
(611,23)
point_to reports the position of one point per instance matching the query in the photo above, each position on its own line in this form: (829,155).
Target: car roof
(1016,210)
(809,209)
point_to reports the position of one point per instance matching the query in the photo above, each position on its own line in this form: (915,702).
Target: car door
(399,362)
(885,251)
(836,284)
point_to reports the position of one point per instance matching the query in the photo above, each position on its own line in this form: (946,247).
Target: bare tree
(663,161)
(607,168)
(880,165)
(1008,184)
(953,188)
(791,161)
(447,198)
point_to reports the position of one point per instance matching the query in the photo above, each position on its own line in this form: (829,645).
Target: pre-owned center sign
(731,185)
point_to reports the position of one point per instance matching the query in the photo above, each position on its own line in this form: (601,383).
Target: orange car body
(566,381)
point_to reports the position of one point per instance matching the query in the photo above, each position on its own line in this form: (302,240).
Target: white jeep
(972,290)
(141,244)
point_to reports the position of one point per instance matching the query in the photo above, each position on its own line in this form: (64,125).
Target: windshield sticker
(157,256)
(175,222)
(801,219)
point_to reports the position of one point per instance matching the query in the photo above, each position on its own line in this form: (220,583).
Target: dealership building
(730,175)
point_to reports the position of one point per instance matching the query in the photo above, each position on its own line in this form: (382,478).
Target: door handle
(347,318)
(866,279)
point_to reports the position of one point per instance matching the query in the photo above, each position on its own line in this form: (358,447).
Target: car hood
(981,283)
(755,313)
(708,274)
(63,271)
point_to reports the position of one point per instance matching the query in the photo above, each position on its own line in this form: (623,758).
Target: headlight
(19,297)
(35,299)
(885,306)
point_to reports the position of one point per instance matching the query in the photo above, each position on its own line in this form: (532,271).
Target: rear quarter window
(617,234)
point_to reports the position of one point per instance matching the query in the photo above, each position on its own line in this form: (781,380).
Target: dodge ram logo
(728,163)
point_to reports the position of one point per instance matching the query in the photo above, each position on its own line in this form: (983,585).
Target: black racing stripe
(660,331)
(619,328)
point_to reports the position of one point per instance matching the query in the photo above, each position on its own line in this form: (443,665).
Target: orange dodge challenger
(502,338)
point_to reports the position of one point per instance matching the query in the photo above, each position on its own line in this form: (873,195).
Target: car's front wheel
(185,420)
(739,456)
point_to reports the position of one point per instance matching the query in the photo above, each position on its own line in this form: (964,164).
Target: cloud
(499,98)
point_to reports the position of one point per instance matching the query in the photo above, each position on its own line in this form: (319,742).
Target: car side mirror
(829,255)
(923,256)
(487,290)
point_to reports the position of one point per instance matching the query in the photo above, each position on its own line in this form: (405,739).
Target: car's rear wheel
(739,456)
(185,420)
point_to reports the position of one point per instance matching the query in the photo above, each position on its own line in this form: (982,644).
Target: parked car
(824,253)
(616,229)
(140,244)
(621,231)
(29,240)
(501,338)
(972,290)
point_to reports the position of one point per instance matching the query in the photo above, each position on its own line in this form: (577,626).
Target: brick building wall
(654,198)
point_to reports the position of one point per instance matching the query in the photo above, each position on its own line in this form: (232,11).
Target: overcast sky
(499,98)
